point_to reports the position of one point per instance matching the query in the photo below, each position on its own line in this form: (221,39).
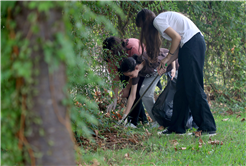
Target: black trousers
(138,113)
(190,88)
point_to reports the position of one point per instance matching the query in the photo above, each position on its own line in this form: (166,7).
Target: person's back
(181,24)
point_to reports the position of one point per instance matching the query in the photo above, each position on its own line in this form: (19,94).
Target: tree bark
(51,139)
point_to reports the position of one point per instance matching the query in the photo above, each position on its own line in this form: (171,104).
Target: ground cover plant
(226,148)
(55,85)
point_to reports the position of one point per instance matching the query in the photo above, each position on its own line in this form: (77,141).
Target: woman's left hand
(173,71)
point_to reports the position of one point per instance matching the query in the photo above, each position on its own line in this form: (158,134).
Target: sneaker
(164,132)
(207,133)
(131,125)
(167,132)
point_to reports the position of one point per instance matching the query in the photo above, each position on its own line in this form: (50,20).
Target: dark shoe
(167,132)
(145,123)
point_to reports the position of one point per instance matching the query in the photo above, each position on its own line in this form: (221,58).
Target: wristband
(170,53)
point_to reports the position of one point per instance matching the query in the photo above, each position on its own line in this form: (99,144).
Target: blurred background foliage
(87,24)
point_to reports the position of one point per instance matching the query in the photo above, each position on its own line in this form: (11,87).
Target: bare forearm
(174,45)
(172,58)
(130,102)
(173,65)
(131,99)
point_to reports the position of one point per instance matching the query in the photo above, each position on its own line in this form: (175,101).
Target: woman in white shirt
(188,45)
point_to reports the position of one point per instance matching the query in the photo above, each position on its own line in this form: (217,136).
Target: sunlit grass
(163,151)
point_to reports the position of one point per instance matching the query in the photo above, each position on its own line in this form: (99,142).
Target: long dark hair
(117,46)
(129,64)
(149,34)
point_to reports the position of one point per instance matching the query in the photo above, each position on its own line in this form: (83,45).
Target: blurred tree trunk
(47,123)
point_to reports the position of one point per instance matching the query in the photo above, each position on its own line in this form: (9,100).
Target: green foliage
(10,110)
(87,24)
(84,77)
(224,33)
(76,49)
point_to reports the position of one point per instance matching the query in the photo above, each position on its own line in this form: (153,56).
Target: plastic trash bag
(163,107)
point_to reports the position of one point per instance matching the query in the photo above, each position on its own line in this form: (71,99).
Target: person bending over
(188,45)
(115,49)
(139,66)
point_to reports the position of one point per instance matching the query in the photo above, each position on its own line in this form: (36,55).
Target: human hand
(124,93)
(173,71)
(112,106)
(162,67)
(125,121)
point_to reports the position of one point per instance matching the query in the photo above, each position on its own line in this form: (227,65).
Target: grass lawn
(228,147)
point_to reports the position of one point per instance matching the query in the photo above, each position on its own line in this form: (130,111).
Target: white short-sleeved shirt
(181,24)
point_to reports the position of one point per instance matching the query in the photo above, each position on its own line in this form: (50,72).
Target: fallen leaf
(149,118)
(127,156)
(242,119)
(97,93)
(161,128)
(95,163)
(174,142)
(201,141)
(147,132)
(175,149)
(96,132)
(183,148)
(107,115)
(198,133)
(133,140)
(238,116)
(119,116)
(225,119)
(230,112)
(215,142)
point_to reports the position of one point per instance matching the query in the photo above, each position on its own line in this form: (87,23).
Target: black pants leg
(142,116)
(190,89)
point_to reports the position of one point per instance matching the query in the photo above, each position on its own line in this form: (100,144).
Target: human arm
(131,99)
(125,92)
(176,38)
(173,71)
